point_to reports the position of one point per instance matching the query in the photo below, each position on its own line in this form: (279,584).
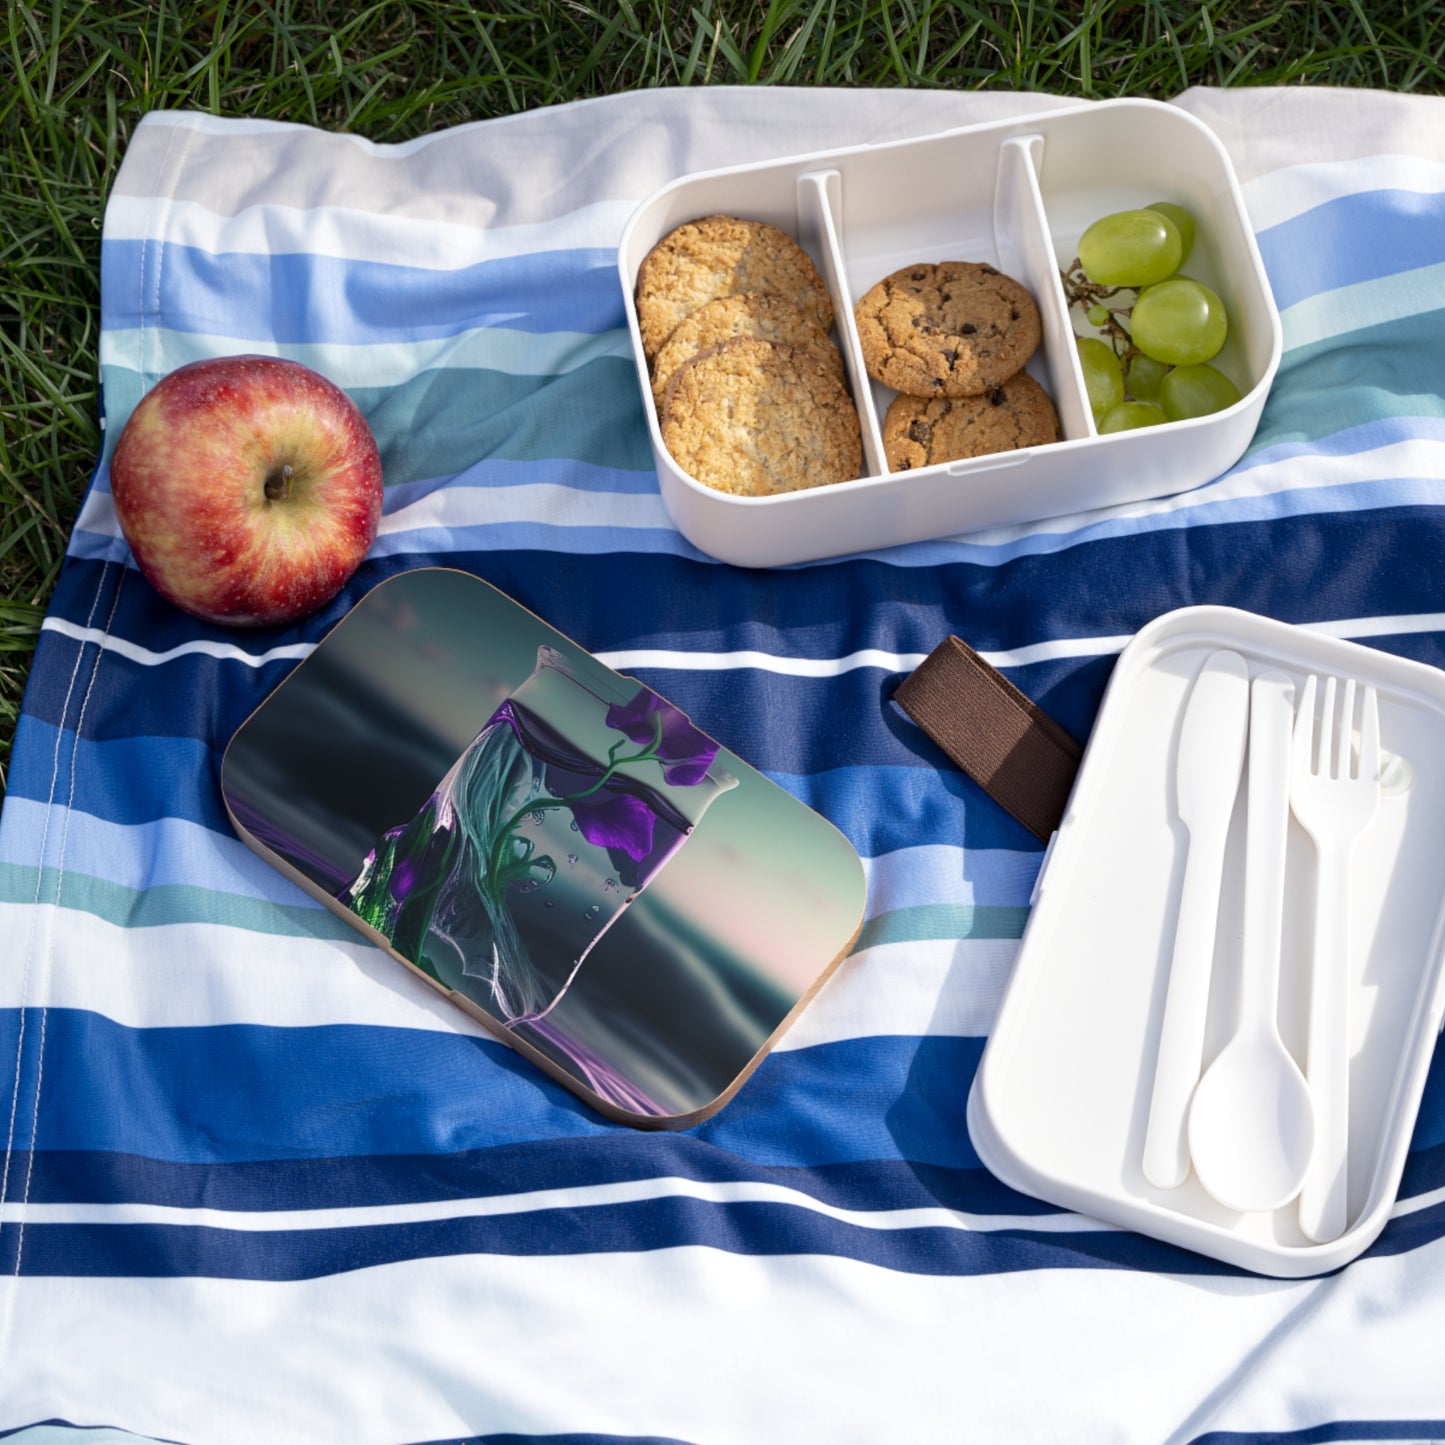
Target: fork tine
(1344,744)
(1327,728)
(1370,737)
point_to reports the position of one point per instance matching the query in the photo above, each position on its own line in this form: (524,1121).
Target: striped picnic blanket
(260,1184)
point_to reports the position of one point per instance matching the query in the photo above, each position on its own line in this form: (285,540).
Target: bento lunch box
(1016,195)
(1061,1104)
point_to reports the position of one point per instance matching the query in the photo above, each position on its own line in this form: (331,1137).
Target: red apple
(248,488)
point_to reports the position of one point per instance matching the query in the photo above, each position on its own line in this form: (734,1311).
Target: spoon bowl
(1251,1124)
(1252,1120)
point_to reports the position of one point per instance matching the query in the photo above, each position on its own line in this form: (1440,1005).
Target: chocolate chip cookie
(753,418)
(955,328)
(918,432)
(749,313)
(717,256)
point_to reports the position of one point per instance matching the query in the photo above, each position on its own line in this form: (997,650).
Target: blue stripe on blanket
(329,1091)
(102,1177)
(441,422)
(1335,398)
(665,1220)
(166,853)
(299,297)
(1370,375)
(158,905)
(559,534)
(303,297)
(123,704)
(622,601)
(751,1228)
(126,780)
(497,474)
(755,1227)
(1336,1432)
(144,779)
(1353,238)
(283,911)
(372,1091)
(211,873)
(444,420)
(56,1431)
(558,537)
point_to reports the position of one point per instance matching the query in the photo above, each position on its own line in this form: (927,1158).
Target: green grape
(1129,415)
(1196,391)
(1130,248)
(1183,223)
(1103,376)
(1098,315)
(1179,322)
(1144,376)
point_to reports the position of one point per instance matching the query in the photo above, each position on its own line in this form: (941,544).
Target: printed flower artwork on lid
(536,840)
(572,870)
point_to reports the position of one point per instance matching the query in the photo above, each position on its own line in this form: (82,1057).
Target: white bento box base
(1059,1107)
(1016,195)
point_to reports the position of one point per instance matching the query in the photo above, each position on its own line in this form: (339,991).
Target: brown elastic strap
(1011,748)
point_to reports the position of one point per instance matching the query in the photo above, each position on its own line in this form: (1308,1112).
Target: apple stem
(278,484)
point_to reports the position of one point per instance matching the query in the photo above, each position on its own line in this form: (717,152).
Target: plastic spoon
(1251,1122)
(1211,755)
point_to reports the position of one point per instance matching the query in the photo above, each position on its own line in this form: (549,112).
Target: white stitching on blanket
(162,194)
(164,188)
(44,989)
(30,947)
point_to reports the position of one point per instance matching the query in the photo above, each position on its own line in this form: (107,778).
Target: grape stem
(1081,292)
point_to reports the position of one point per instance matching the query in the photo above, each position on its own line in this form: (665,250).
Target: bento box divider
(1025,250)
(820,223)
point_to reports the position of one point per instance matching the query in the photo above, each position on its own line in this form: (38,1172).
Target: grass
(76,77)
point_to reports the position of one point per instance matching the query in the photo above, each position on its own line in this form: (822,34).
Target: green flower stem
(650,751)
(497,869)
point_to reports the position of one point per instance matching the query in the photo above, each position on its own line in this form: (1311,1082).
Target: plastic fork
(1334,794)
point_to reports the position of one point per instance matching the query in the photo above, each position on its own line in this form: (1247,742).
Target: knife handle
(1208,764)
(1271,726)
(1186,1005)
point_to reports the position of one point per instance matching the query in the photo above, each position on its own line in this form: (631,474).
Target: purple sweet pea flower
(403,878)
(684,752)
(615,820)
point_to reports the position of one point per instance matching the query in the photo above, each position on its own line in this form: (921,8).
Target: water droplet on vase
(571,860)
(574,826)
(594,910)
(535,817)
(609,885)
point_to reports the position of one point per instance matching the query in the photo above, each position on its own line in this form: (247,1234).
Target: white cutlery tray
(1060,1104)
(1017,195)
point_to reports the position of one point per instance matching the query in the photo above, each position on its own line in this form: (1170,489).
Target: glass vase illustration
(575,793)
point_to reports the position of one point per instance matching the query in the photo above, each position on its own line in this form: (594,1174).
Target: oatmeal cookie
(918,432)
(748,313)
(955,328)
(717,256)
(752,417)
